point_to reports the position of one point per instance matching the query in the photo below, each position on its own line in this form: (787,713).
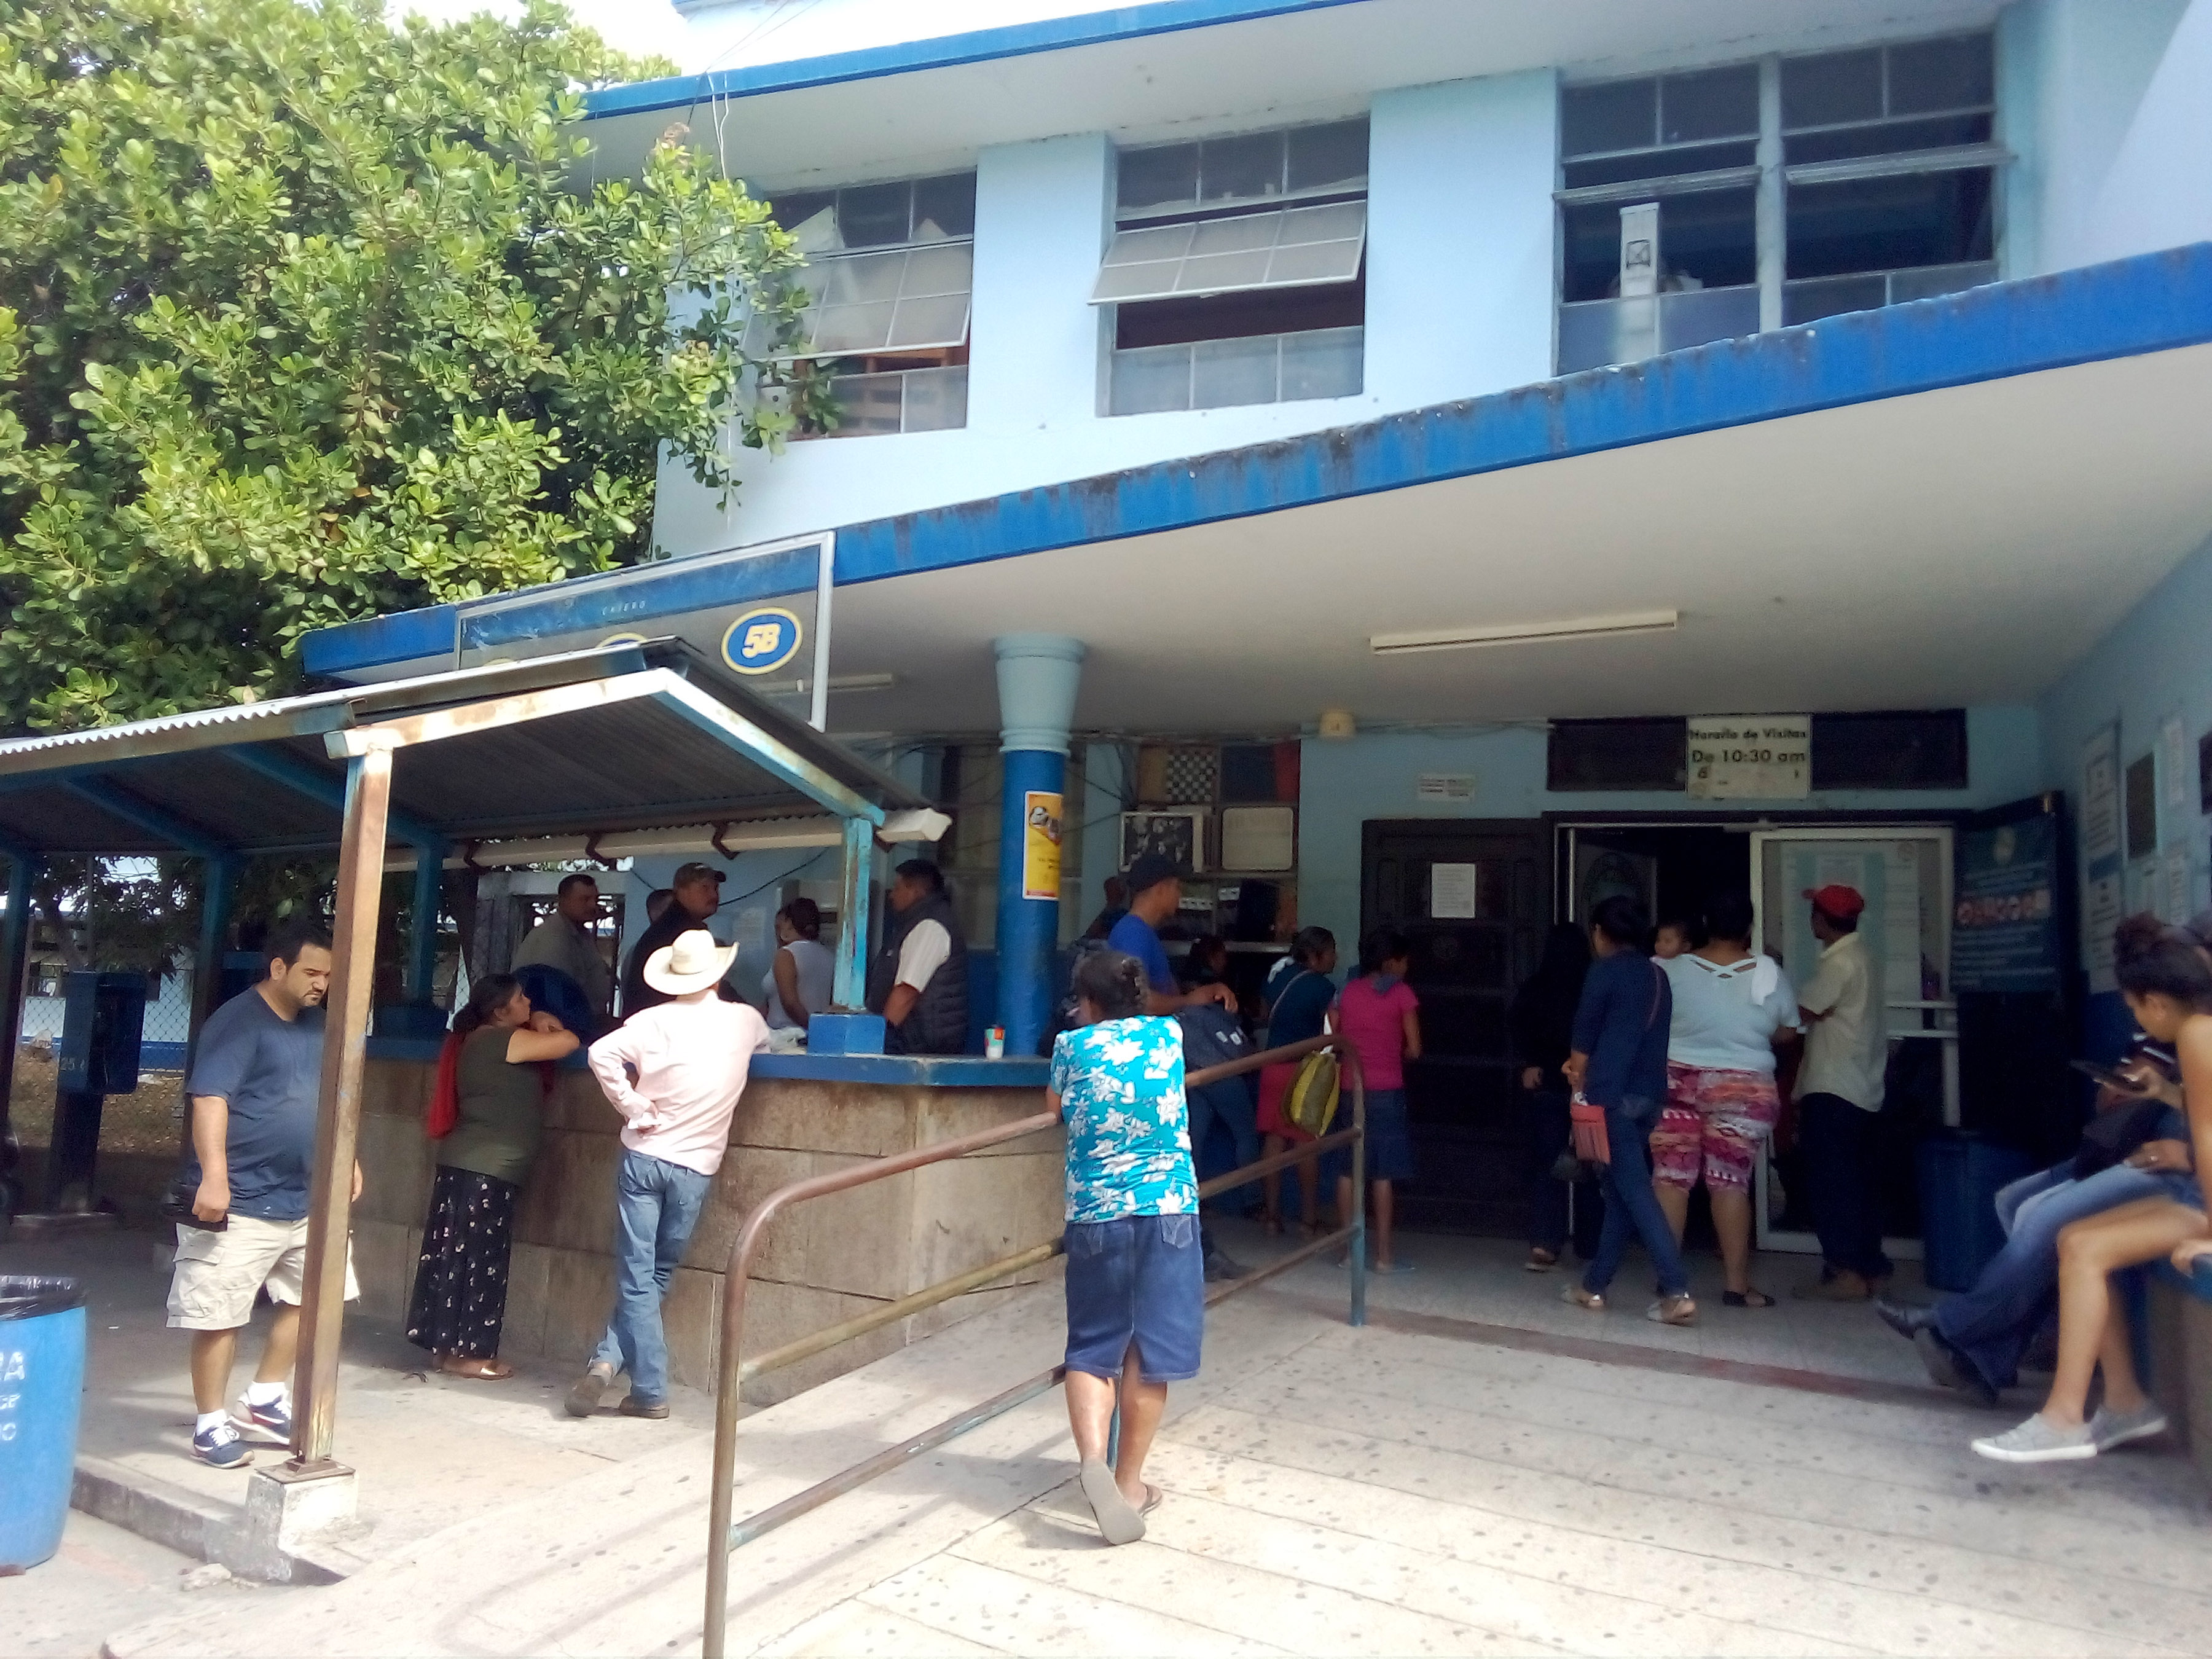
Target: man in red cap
(1838,1099)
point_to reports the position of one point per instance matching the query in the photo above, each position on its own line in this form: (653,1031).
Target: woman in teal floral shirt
(1136,1281)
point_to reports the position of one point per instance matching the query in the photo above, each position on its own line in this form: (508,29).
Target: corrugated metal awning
(625,738)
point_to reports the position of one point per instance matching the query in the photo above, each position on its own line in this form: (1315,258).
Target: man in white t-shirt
(919,981)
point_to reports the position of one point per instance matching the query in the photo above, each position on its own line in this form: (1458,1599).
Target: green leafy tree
(305,316)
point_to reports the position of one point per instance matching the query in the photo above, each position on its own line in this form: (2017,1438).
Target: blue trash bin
(41,1387)
(1961,1171)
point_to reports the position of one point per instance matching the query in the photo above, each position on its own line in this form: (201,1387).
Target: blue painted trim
(401,636)
(588,602)
(2152,302)
(946,51)
(918,1071)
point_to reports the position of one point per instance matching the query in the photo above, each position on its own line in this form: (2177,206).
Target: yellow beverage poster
(1041,844)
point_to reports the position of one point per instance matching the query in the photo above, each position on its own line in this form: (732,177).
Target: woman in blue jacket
(1619,1063)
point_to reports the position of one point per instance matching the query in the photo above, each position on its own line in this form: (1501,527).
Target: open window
(1708,204)
(891,276)
(1236,272)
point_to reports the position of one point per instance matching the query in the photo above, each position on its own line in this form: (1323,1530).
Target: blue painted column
(422,934)
(1038,674)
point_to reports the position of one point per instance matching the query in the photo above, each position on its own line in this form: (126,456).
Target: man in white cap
(692,1054)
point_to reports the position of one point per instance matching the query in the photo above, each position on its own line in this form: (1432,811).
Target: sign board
(1750,756)
(1455,891)
(2004,931)
(1041,810)
(1444,788)
(2103,896)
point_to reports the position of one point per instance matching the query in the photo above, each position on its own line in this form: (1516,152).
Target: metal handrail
(732,1370)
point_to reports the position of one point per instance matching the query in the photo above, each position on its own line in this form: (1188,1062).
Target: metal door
(1472,896)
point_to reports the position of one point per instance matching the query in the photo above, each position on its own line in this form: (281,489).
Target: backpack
(1211,1036)
(442,1111)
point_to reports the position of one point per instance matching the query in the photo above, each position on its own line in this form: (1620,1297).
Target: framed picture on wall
(1176,833)
(2139,793)
(2204,772)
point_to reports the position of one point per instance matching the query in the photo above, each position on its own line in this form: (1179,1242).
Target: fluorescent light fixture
(837,683)
(1580,628)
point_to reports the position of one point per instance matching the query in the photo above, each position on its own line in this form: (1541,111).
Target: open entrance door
(1471,896)
(1904,874)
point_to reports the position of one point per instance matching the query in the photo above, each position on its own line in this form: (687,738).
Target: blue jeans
(1631,1207)
(1991,1326)
(657,1205)
(1230,1100)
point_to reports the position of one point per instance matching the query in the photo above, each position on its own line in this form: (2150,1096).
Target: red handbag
(1586,1123)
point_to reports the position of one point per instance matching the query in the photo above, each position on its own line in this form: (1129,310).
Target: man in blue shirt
(1154,890)
(255,1089)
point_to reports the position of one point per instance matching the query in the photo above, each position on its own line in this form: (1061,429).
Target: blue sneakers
(274,1418)
(222,1447)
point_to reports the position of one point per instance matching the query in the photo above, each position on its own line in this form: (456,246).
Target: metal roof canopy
(624,738)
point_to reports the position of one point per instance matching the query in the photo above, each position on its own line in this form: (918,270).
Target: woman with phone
(2168,987)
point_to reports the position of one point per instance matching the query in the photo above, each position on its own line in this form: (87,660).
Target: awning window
(1283,247)
(908,299)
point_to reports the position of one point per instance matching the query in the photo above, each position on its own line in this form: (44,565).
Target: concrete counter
(827,1260)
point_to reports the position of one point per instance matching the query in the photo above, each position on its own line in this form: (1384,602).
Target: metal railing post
(1358,1254)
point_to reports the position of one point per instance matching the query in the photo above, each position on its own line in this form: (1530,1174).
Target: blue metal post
(1038,674)
(23,869)
(218,885)
(850,990)
(422,936)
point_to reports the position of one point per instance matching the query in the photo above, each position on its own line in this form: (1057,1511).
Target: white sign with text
(1750,756)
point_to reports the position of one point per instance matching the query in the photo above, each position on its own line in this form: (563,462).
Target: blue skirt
(1137,1279)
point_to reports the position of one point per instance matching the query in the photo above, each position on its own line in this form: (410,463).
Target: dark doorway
(1680,867)
(1465,967)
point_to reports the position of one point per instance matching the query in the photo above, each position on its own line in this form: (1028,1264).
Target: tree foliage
(305,316)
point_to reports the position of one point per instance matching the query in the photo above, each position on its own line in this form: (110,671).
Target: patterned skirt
(460,1282)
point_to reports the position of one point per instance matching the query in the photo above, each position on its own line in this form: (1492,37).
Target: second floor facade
(1198,225)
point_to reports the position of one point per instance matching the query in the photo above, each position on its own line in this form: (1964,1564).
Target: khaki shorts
(218,1274)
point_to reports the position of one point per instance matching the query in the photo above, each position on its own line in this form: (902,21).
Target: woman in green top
(460,1283)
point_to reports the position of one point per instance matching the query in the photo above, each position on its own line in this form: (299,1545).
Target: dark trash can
(41,1387)
(1961,1171)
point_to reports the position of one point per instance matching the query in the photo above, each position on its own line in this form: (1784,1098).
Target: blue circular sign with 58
(761,641)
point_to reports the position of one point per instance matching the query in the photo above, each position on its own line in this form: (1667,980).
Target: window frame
(1770,175)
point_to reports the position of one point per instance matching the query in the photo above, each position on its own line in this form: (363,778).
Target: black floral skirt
(460,1283)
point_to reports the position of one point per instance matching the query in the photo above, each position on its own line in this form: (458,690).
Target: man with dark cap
(1154,890)
(1840,1094)
(698,895)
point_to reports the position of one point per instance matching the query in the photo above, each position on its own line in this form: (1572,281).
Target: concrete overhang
(1182,67)
(1934,504)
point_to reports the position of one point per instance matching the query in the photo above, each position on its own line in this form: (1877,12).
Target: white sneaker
(2109,1428)
(2038,1441)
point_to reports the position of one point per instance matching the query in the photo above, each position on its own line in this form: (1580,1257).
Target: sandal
(1117,1523)
(1751,1298)
(1153,1498)
(1541,1261)
(1673,1311)
(481,1370)
(1592,1300)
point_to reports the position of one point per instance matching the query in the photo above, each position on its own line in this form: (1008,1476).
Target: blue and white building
(1372,428)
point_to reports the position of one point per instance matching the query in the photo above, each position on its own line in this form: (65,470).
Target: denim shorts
(1389,1141)
(1141,1279)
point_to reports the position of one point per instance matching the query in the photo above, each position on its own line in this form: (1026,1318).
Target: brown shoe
(1844,1286)
(632,1407)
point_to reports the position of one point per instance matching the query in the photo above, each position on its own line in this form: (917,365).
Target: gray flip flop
(1117,1523)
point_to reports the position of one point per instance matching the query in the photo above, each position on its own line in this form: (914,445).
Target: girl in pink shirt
(1380,1015)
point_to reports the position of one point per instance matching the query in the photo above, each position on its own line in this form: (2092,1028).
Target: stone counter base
(827,1260)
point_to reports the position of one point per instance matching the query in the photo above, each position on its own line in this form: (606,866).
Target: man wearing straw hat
(690,1055)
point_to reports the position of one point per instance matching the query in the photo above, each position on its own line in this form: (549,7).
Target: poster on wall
(2101,890)
(1041,810)
(1750,756)
(2004,920)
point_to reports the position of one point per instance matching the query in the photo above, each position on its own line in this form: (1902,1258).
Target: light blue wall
(2153,665)
(1460,304)
(1343,784)
(1460,264)
(2106,108)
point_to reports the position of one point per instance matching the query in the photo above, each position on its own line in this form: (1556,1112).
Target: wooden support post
(345,1053)
(15,958)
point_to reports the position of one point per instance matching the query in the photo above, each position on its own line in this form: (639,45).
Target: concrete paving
(104,1577)
(1480,1470)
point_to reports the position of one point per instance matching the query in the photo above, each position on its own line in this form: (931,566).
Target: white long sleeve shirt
(691,1058)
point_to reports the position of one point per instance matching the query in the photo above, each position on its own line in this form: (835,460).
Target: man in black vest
(919,981)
